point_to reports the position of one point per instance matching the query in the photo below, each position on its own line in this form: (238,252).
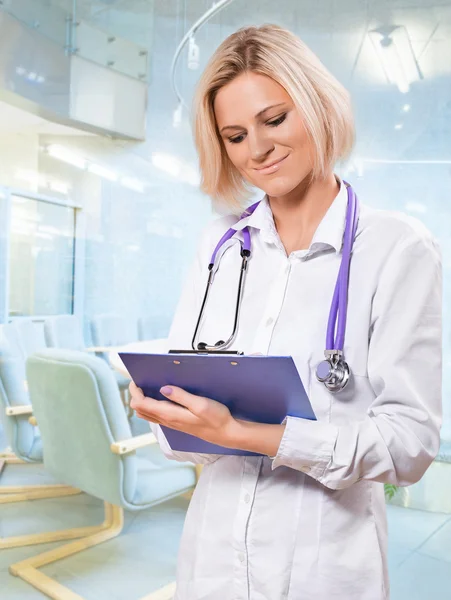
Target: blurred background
(99,202)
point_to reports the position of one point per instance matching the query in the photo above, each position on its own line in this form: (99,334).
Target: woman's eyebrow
(259,114)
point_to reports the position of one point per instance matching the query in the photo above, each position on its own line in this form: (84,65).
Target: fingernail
(166,390)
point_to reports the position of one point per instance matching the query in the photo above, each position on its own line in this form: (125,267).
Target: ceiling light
(393,47)
(393,65)
(102,172)
(67,156)
(59,186)
(217,6)
(30,75)
(167,163)
(177,116)
(193,54)
(406,107)
(175,167)
(398,126)
(133,184)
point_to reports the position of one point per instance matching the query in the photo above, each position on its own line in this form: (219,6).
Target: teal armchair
(64,331)
(19,425)
(88,444)
(30,335)
(113,330)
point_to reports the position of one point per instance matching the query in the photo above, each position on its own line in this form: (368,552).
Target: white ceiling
(16,120)
(336,29)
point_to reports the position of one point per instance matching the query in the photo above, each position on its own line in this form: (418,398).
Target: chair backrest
(12,337)
(153,327)
(30,335)
(79,412)
(112,330)
(64,331)
(20,434)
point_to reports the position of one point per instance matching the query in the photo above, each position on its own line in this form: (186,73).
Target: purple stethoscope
(334,372)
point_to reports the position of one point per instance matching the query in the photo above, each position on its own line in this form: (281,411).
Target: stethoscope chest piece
(334,372)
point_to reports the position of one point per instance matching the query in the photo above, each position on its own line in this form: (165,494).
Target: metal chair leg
(20,493)
(111,528)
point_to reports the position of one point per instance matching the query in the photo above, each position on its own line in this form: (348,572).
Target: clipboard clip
(204,352)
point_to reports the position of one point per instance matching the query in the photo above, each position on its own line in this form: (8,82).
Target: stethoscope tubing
(340,298)
(340,372)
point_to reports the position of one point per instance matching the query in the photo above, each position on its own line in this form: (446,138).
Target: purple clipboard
(264,389)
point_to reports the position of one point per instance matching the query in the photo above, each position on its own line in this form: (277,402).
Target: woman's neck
(298,214)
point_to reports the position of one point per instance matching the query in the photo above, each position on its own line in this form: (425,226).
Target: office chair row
(64,407)
(66,331)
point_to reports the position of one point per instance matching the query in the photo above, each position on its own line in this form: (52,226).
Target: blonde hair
(321,100)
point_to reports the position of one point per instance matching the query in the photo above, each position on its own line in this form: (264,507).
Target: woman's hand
(196,415)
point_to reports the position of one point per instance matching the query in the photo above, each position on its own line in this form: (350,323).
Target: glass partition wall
(116,35)
(41,258)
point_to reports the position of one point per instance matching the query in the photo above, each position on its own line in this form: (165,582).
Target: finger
(135,390)
(174,415)
(149,418)
(193,403)
(148,405)
(162,411)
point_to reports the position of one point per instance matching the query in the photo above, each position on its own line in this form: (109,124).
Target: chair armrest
(24,409)
(126,446)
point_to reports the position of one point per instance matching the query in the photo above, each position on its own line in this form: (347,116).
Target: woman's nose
(260,146)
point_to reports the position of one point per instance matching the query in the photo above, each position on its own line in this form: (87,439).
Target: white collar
(329,233)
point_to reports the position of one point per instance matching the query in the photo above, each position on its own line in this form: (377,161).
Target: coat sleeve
(399,436)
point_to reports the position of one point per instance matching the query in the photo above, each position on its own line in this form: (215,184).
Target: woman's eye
(277,121)
(237,139)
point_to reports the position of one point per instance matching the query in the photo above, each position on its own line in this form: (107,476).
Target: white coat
(310,523)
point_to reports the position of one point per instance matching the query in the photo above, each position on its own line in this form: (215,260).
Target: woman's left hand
(196,415)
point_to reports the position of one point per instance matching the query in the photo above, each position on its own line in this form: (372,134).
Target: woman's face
(263,133)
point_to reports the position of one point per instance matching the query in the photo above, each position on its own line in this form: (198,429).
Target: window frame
(6,196)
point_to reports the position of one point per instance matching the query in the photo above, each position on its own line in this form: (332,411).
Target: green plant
(390,490)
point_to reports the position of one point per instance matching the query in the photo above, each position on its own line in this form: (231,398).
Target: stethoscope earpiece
(203,346)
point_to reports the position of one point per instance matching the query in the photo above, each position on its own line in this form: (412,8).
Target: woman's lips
(271,168)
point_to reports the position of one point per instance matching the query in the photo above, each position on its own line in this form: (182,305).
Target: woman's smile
(272,167)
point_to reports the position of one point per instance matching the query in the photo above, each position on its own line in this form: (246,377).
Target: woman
(306,520)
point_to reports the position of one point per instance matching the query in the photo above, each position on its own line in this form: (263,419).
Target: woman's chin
(279,186)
